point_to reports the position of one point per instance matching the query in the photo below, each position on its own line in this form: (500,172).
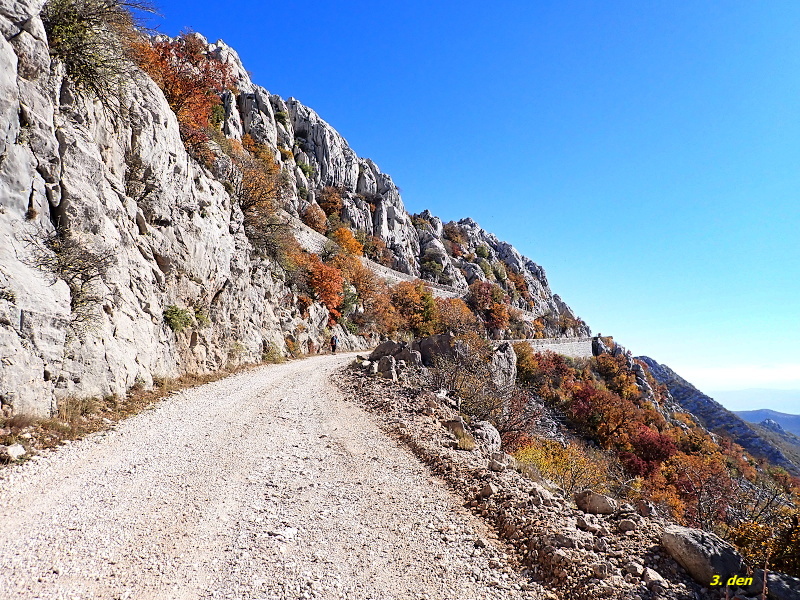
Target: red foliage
(327,283)
(190,79)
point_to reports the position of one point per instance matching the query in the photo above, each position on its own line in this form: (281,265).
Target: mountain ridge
(172,239)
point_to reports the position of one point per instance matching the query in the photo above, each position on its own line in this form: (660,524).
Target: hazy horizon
(784,401)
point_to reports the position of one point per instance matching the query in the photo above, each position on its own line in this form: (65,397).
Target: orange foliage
(348,243)
(330,200)
(519,284)
(327,284)
(190,80)
(314,217)
(416,306)
(455,316)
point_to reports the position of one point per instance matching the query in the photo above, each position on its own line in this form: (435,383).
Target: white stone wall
(572,347)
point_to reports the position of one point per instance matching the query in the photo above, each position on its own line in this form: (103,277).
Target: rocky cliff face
(716,418)
(317,157)
(168,233)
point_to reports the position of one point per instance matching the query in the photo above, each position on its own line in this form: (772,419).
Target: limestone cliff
(169,234)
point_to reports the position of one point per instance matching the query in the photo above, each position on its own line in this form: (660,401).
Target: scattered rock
(701,553)
(594,503)
(626,525)
(13,452)
(489,489)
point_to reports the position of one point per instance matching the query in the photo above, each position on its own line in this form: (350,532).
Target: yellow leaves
(572,468)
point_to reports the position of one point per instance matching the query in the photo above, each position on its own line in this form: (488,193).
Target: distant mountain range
(790,423)
(786,401)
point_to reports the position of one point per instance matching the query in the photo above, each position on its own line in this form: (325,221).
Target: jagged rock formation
(123,186)
(715,417)
(169,233)
(418,244)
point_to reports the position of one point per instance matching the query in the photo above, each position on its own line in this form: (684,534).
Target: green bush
(90,38)
(482,251)
(178,318)
(201,318)
(307,169)
(282,118)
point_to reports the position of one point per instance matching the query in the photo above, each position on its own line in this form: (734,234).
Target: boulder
(412,358)
(701,553)
(487,436)
(387,348)
(433,346)
(594,503)
(626,525)
(780,586)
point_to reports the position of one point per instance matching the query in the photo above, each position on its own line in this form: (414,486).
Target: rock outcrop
(125,188)
(701,553)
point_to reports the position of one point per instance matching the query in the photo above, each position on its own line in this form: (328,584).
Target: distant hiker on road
(334,343)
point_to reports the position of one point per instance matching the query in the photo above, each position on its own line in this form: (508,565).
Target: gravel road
(266,484)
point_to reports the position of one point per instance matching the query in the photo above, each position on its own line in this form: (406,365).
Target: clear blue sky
(647,154)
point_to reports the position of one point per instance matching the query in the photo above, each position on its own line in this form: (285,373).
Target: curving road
(267,484)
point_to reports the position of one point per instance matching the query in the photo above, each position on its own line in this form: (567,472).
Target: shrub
(90,38)
(375,249)
(314,217)
(454,233)
(286,153)
(330,200)
(572,467)
(499,270)
(282,118)
(63,255)
(344,237)
(482,251)
(307,169)
(416,307)
(191,81)
(455,316)
(177,318)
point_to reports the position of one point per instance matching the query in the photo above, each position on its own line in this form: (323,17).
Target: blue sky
(647,154)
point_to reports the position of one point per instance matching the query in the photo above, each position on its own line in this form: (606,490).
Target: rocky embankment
(589,546)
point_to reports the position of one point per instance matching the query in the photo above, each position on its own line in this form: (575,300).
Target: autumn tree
(455,316)
(327,284)
(191,80)
(347,242)
(416,306)
(330,200)
(314,217)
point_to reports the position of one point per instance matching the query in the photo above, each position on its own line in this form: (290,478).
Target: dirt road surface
(267,484)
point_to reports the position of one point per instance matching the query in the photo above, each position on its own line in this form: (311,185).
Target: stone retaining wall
(572,347)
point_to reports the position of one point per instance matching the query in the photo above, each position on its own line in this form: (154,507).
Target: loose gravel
(264,485)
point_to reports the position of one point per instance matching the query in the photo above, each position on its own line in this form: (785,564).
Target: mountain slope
(173,283)
(717,418)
